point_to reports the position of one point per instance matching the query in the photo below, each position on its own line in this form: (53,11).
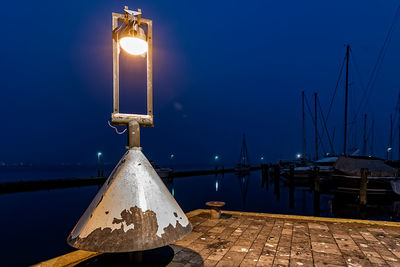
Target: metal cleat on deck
(215,208)
(134,210)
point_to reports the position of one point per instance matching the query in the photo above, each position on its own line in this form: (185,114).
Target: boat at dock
(382,178)
(344,172)
(306,170)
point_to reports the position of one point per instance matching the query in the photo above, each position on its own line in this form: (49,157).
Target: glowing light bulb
(134,45)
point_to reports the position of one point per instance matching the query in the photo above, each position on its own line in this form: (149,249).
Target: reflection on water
(243,180)
(39,222)
(267,192)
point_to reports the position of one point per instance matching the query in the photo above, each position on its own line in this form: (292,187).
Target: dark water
(35,225)
(30,173)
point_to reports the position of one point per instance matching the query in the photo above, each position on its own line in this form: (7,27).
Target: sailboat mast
(365,136)
(398,122)
(399,141)
(316,126)
(303,126)
(391,138)
(346,99)
(244,154)
(372,138)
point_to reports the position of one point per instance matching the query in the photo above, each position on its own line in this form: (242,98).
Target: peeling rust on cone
(133,211)
(143,236)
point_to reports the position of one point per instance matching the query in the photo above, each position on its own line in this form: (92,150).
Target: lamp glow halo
(134,45)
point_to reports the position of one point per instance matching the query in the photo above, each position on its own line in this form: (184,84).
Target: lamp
(133,39)
(133,211)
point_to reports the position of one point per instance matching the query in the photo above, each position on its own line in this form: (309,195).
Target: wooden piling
(291,172)
(363,186)
(317,200)
(264,169)
(291,187)
(277,171)
(264,175)
(316,179)
(277,174)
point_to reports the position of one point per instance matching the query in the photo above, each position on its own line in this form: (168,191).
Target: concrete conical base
(133,211)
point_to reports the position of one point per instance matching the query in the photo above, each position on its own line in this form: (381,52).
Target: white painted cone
(133,211)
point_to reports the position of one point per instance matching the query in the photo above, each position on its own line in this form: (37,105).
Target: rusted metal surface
(133,211)
(124,119)
(218,204)
(215,208)
(133,134)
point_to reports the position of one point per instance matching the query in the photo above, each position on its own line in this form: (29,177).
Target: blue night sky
(221,68)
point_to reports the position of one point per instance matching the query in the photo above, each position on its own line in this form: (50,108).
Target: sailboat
(347,169)
(347,174)
(243,166)
(325,166)
(304,168)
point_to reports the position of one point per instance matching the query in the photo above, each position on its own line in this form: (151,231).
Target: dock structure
(259,239)
(38,185)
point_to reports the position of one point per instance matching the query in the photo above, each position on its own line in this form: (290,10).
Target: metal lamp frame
(118,118)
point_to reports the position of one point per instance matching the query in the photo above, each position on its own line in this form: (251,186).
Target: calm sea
(35,225)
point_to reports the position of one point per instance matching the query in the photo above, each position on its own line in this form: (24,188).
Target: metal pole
(303,125)
(346,99)
(391,137)
(115,66)
(136,257)
(316,126)
(365,136)
(372,137)
(150,68)
(133,134)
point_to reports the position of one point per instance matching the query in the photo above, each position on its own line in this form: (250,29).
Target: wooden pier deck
(259,239)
